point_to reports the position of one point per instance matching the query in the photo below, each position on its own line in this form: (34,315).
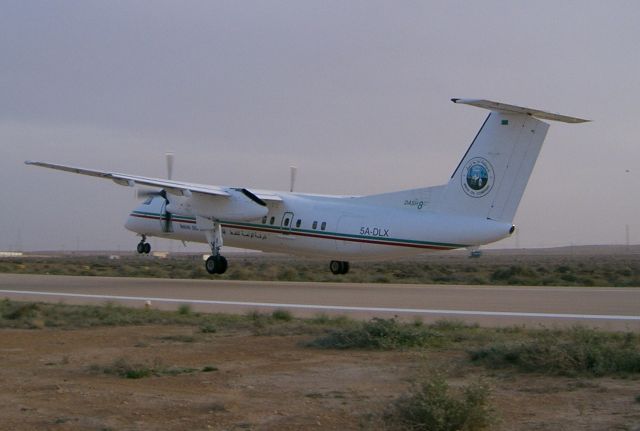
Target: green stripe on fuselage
(281,230)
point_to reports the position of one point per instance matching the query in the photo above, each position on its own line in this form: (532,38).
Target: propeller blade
(292,180)
(169,157)
(145,193)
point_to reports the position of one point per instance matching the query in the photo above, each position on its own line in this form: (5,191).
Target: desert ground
(72,367)
(261,373)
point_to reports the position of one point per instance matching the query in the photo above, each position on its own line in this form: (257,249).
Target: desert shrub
(569,277)
(452,325)
(287,274)
(208,328)
(282,315)
(124,368)
(563,269)
(237,274)
(513,272)
(381,279)
(433,406)
(179,338)
(444,279)
(259,320)
(325,319)
(477,280)
(579,351)
(184,309)
(586,281)
(19,311)
(383,334)
(36,315)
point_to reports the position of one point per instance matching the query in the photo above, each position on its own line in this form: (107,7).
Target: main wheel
(216,264)
(222,264)
(210,265)
(147,248)
(345,267)
(140,248)
(336,267)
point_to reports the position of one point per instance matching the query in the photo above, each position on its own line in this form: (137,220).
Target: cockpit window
(148,200)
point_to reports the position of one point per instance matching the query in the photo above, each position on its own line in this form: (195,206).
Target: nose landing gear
(143,247)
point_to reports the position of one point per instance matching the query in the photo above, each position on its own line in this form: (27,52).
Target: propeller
(292,180)
(145,193)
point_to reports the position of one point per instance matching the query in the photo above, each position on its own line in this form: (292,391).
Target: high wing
(178,188)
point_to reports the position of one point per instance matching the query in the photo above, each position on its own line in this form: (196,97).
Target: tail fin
(491,177)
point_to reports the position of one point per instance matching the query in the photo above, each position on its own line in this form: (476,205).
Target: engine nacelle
(237,206)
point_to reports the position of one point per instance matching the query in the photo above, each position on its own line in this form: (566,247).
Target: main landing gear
(216,263)
(143,246)
(339,267)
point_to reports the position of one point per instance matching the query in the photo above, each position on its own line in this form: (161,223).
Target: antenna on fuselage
(169,157)
(292,180)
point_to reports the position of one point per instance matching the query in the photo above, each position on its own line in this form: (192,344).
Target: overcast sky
(354,93)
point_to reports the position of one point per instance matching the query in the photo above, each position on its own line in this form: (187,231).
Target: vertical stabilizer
(491,178)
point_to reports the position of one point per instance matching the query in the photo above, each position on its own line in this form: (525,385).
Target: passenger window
(273,219)
(323,225)
(264,220)
(298,223)
(286,221)
(315,225)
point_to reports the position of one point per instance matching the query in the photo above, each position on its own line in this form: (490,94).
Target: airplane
(475,207)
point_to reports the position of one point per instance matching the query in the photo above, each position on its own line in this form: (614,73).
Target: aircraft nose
(129,223)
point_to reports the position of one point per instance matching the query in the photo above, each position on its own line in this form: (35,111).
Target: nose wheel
(143,247)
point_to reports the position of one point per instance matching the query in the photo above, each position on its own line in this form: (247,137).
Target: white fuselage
(332,227)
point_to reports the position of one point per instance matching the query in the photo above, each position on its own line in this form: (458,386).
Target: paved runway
(608,308)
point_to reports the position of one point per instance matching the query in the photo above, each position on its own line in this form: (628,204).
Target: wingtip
(28,162)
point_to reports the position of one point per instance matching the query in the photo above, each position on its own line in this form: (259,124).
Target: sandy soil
(48,380)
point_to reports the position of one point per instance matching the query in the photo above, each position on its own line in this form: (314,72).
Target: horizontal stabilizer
(512,109)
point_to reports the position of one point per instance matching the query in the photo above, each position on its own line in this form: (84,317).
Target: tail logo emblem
(477,177)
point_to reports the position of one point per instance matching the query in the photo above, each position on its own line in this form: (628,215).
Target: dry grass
(445,268)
